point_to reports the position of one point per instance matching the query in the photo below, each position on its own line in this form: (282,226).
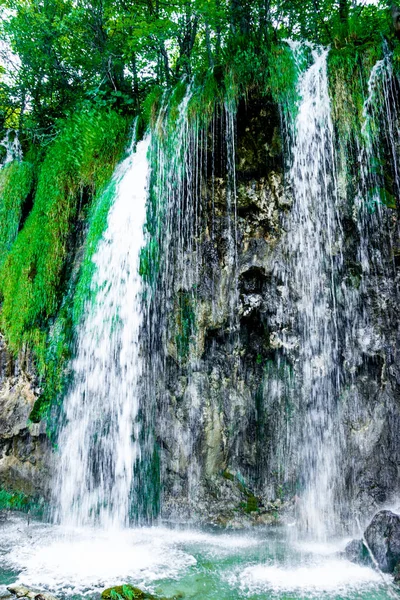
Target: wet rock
(396,574)
(357,552)
(24,448)
(21,591)
(383,538)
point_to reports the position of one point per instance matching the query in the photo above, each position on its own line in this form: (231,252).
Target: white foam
(322,548)
(330,576)
(84,560)
(87,561)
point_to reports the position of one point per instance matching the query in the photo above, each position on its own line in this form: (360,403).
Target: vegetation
(16,182)
(79,162)
(116,53)
(125,592)
(19,501)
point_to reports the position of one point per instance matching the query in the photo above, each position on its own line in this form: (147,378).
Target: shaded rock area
(213,414)
(382,540)
(24,448)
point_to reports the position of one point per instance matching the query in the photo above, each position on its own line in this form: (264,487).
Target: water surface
(198,564)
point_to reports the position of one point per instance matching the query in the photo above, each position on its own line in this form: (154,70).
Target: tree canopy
(56,54)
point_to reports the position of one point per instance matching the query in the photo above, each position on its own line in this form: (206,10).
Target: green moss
(125,592)
(228,475)
(185,324)
(16,181)
(82,157)
(13,500)
(151,106)
(19,501)
(42,299)
(252,504)
(206,93)
(270,70)
(56,351)
(349,69)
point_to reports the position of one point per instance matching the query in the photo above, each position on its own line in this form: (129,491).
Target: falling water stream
(92,544)
(99,443)
(313,247)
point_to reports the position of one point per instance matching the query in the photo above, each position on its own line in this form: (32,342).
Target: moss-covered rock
(125,592)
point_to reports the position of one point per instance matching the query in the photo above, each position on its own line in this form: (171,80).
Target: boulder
(125,592)
(383,538)
(21,591)
(357,552)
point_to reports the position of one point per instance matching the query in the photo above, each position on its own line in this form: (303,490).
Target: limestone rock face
(24,448)
(230,403)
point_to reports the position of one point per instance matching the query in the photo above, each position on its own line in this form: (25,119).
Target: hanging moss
(82,156)
(185,324)
(349,70)
(270,70)
(54,355)
(16,181)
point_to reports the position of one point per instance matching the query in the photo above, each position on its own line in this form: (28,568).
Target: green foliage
(116,52)
(16,180)
(13,500)
(151,106)
(80,159)
(54,355)
(270,70)
(207,91)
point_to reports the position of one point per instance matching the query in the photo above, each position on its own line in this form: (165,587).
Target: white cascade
(100,440)
(313,246)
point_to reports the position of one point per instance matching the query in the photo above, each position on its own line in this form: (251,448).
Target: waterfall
(194,219)
(100,439)
(372,303)
(313,260)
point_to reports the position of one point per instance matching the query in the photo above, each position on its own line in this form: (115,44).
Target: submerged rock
(383,538)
